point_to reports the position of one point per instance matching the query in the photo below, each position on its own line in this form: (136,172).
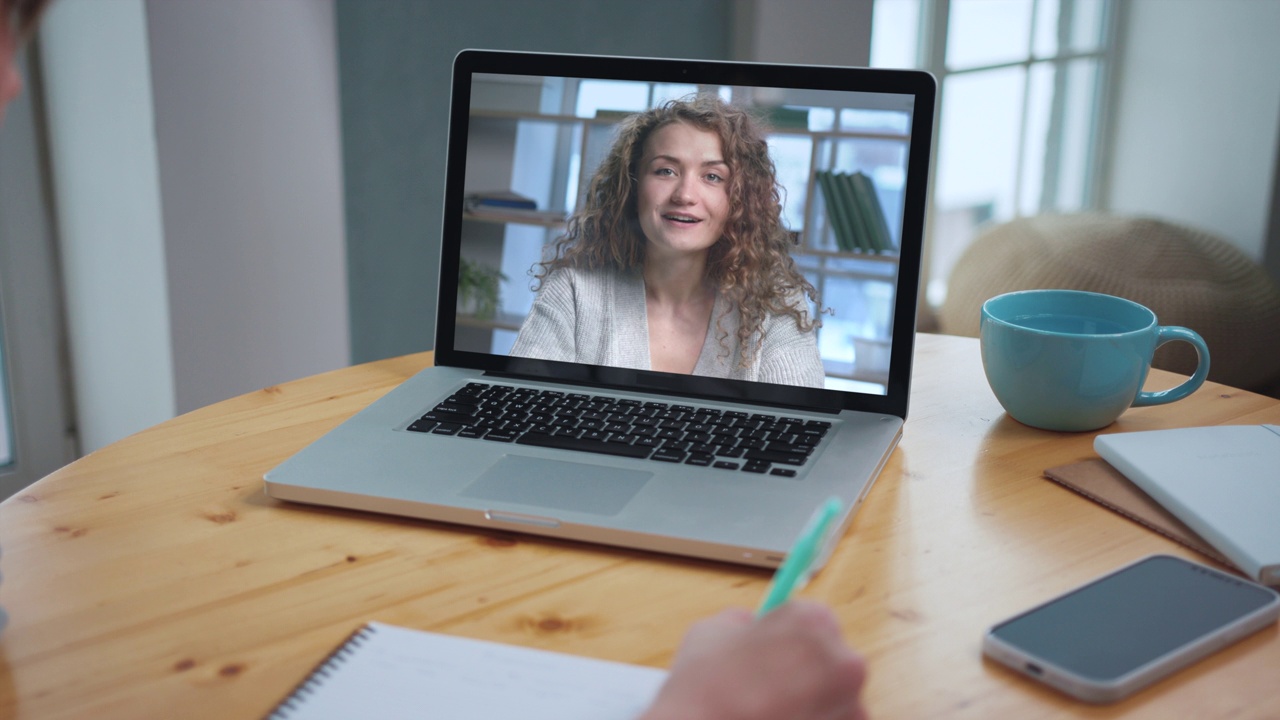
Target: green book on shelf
(786,118)
(614,115)
(866,223)
(837,213)
(873,212)
(861,226)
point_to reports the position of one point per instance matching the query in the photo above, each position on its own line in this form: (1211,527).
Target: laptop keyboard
(663,432)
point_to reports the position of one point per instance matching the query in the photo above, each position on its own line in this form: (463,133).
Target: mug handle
(1169,333)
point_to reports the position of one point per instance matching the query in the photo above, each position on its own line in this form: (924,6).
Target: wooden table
(154,579)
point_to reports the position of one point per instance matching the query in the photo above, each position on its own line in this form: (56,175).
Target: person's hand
(791,664)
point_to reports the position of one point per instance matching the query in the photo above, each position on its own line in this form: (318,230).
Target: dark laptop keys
(729,440)
(586,445)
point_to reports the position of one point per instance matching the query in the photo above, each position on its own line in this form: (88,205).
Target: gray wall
(199,203)
(395,58)
(812,32)
(247,136)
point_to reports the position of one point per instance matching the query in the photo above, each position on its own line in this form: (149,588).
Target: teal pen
(797,568)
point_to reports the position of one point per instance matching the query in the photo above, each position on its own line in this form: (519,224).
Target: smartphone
(1125,630)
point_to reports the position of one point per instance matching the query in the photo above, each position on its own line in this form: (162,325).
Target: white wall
(246,100)
(197,174)
(103,157)
(1197,111)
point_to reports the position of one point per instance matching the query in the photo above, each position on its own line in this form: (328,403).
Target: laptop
(722,464)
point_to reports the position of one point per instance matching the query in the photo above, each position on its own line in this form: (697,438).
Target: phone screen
(1120,622)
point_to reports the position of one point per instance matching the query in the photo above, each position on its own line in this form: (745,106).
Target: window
(1021,84)
(36,435)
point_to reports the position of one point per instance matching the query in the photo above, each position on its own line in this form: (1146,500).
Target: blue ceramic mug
(1073,360)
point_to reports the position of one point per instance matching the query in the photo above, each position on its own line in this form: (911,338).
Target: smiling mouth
(684,219)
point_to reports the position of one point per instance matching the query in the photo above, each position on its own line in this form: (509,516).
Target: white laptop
(690,464)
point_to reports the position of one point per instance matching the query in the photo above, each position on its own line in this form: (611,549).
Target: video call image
(732,232)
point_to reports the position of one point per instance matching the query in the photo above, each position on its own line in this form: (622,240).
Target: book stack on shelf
(508,206)
(855,213)
(499,199)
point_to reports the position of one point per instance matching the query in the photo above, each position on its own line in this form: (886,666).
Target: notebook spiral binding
(314,679)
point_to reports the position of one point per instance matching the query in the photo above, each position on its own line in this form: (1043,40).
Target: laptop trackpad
(556,484)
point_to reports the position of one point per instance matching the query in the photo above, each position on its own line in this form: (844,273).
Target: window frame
(933,33)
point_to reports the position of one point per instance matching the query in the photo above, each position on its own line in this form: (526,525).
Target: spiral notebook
(389,672)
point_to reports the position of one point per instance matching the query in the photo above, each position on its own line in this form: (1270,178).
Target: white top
(599,317)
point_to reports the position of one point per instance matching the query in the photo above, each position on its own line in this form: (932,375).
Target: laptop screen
(713,229)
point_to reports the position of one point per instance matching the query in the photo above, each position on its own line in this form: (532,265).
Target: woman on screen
(679,261)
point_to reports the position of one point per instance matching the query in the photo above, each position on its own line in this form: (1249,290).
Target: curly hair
(751,264)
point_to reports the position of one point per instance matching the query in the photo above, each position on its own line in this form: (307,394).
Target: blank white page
(391,672)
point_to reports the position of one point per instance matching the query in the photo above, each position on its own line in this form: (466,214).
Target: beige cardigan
(598,317)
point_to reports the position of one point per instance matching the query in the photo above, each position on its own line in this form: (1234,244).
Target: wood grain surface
(154,579)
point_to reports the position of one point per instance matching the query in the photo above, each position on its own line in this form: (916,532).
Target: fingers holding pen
(790,663)
(810,636)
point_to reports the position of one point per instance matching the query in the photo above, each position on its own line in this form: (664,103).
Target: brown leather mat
(1098,481)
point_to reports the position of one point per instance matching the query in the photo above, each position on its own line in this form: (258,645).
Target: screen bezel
(920,85)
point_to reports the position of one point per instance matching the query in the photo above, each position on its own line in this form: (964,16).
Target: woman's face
(683,197)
